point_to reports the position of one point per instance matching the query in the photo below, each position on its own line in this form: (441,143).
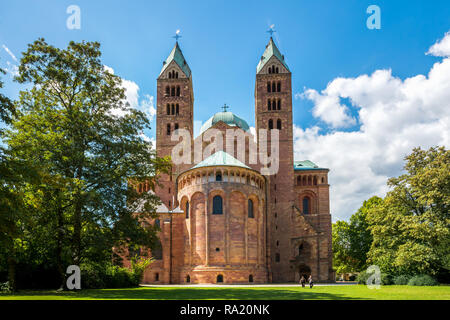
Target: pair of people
(303,281)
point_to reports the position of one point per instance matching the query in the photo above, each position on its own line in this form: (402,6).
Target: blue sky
(223,40)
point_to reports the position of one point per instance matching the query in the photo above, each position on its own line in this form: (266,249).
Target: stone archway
(304,270)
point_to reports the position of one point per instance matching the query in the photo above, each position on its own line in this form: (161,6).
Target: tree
(13,174)
(410,229)
(342,260)
(359,234)
(74,124)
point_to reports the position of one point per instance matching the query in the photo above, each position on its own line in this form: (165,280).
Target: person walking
(310,280)
(302,281)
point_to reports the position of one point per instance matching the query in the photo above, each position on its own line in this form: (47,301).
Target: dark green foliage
(401,280)
(423,280)
(107,275)
(73,129)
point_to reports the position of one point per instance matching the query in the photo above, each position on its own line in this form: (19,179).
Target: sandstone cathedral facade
(221,220)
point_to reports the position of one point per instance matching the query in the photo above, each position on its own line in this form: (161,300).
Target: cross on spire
(271,30)
(177,35)
(225,107)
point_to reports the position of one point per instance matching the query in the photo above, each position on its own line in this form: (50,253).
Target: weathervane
(177,35)
(271,30)
(225,107)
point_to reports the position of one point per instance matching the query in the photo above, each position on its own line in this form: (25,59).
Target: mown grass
(356,292)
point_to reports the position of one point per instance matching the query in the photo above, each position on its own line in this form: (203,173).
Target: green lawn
(270,293)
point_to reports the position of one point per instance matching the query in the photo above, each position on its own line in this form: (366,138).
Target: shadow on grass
(190,294)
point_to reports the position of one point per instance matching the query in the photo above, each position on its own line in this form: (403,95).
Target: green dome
(228,117)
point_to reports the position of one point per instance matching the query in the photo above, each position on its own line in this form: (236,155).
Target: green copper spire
(177,56)
(271,50)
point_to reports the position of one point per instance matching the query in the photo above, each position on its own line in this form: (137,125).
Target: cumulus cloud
(394,115)
(441,48)
(145,104)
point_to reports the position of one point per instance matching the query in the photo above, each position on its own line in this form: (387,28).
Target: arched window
(277,257)
(157,276)
(269,105)
(219,176)
(168,129)
(172,92)
(309,181)
(300,249)
(176,126)
(270,69)
(167,91)
(323,180)
(170,75)
(250,209)
(217,205)
(178,91)
(157,250)
(168,109)
(306,205)
(250,278)
(279,87)
(279,124)
(188,278)
(270,124)
(276,71)
(315,180)
(173,109)
(268,86)
(279,104)
(176,75)
(219,278)
(304,181)
(177,109)
(187,209)
(299,180)
(274,87)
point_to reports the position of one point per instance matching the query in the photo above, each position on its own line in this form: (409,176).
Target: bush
(401,280)
(386,279)
(352,278)
(98,276)
(422,280)
(362,277)
(5,287)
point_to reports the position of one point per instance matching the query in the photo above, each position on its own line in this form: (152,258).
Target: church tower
(175,101)
(273,110)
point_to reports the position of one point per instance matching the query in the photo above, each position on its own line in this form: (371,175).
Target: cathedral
(222,219)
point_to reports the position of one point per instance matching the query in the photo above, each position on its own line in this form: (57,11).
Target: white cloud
(9,52)
(395,116)
(11,69)
(442,47)
(145,104)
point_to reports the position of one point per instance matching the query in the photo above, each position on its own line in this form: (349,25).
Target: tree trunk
(12,271)
(60,235)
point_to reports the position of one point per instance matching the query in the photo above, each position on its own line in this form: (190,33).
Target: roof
(220,158)
(177,56)
(271,50)
(306,165)
(228,117)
